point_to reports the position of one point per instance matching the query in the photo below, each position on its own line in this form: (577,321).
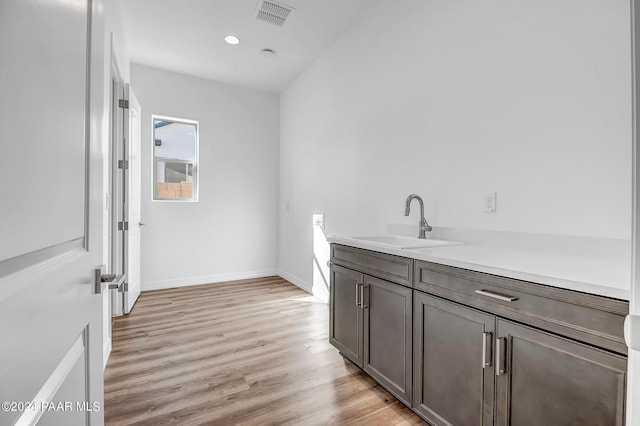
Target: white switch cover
(490,202)
(318,220)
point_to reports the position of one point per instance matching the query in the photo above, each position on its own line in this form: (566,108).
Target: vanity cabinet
(387,335)
(346,314)
(464,356)
(453,362)
(371,318)
(462,347)
(549,380)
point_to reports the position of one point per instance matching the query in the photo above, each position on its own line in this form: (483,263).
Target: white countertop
(600,276)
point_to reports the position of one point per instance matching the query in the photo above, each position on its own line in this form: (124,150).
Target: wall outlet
(318,220)
(490,202)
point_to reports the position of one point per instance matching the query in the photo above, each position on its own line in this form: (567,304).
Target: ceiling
(186,36)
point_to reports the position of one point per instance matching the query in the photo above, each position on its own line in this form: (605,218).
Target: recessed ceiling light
(267,53)
(231,39)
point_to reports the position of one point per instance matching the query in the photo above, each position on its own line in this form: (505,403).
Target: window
(175,159)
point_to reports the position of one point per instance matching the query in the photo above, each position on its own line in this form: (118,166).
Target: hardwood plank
(249,352)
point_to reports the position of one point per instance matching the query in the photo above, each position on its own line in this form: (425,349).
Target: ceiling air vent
(273,12)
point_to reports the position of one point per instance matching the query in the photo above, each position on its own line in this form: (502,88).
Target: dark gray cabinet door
(345,319)
(549,380)
(453,363)
(387,335)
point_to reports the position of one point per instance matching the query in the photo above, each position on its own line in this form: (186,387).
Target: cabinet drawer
(592,319)
(386,266)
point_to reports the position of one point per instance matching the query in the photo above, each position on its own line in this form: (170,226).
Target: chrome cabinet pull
(358,300)
(495,295)
(497,357)
(501,359)
(365,305)
(487,338)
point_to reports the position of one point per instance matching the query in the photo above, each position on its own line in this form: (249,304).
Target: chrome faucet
(423,225)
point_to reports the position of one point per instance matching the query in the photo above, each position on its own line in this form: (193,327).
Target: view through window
(175,159)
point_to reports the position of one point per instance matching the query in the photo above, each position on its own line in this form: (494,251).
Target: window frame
(154,160)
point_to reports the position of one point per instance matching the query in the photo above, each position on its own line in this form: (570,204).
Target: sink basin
(401,242)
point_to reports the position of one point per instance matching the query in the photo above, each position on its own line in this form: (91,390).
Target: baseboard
(106,351)
(298,282)
(206,279)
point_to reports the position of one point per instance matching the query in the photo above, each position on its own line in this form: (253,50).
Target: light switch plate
(318,220)
(490,202)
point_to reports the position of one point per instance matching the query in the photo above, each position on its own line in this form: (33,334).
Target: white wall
(232,232)
(451,100)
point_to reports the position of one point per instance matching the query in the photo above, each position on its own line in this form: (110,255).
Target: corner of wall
(297,281)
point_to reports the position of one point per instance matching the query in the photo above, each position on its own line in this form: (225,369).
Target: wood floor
(251,352)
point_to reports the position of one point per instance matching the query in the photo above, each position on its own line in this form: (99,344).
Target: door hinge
(123,226)
(123,103)
(125,286)
(123,164)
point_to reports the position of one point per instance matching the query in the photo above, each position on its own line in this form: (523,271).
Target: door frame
(132,193)
(116,184)
(633,372)
(110,237)
(115,128)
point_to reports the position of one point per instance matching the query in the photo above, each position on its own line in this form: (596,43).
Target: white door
(51,211)
(132,206)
